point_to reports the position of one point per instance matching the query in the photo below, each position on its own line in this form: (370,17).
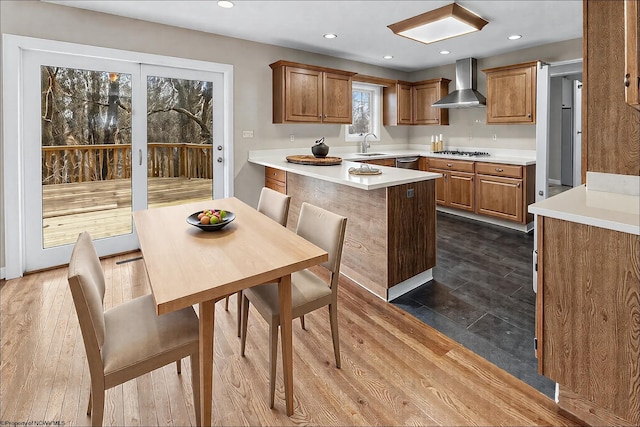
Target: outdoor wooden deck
(104,207)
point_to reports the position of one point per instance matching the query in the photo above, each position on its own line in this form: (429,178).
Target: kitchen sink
(370,154)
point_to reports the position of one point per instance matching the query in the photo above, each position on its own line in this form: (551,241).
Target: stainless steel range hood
(465,95)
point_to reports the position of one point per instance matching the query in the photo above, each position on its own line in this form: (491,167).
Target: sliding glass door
(183,135)
(103,138)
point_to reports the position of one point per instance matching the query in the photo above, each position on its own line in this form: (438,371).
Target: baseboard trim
(525,228)
(409,284)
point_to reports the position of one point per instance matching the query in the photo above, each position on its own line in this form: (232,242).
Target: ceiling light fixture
(387,57)
(515,37)
(439,24)
(330,36)
(445,52)
(225,3)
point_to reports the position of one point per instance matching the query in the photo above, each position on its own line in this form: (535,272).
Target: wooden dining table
(188,266)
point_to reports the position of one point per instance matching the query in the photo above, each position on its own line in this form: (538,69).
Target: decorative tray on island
(365,169)
(302,159)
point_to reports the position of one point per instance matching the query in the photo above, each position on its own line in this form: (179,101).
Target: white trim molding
(13,48)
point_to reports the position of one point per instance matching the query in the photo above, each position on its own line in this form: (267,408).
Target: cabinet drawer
(278,186)
(497,169)
(275,174)
(448,164)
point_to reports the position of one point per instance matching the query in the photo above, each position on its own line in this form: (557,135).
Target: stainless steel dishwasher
(407,162)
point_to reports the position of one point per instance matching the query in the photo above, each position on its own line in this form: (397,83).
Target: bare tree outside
(92,109)
(361,102)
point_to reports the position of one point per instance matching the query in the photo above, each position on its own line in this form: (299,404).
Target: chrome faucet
(365,144)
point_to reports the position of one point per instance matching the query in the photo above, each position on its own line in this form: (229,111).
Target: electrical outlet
(292,137)
(495,137)
(247,134)
(410,193)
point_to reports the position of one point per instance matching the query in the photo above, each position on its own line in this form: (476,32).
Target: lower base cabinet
(588,319)
(499,197)
(455,189)
(275,179)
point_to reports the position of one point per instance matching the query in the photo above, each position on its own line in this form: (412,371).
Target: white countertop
(619,212)
(339,174)
(491,158)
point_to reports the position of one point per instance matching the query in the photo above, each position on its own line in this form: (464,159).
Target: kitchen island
(390,241)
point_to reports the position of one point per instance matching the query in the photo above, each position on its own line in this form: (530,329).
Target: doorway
(565,110)
(101,135)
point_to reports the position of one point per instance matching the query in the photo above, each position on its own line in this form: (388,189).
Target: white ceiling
(361,26)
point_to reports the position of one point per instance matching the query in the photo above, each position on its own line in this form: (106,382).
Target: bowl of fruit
(211,219)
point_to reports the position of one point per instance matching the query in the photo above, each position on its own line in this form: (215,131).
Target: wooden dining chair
(128,340)
(308,291)
(275,205)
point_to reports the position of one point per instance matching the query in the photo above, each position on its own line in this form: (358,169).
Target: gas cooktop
(463,153)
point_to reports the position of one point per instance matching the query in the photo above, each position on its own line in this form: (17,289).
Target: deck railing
(63,164)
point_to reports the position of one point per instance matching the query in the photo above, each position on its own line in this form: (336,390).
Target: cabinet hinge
(535,260)
(535,343)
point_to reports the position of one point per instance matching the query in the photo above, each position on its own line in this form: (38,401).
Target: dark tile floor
(482,295)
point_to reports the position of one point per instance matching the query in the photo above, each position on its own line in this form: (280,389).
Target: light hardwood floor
(395,370)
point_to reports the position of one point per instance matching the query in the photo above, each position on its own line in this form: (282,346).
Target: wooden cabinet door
(303,95)
(632,54)
(405,116)
(511,94)
(424,95)
(460,188)
(336,102)
(587,321)
(423,164)
(441,191)
(500,197)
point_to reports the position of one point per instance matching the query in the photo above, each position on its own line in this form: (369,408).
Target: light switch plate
(247,134)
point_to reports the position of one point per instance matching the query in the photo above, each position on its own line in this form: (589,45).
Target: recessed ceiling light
(439,24)
(445,52)
(515,37)
(330,36)
(225,3)
(387,57)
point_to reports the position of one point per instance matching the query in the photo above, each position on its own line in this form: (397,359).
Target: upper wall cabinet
(632,54)
(425,94)
(309,94)
(410,103)
(511,94)
(397,104)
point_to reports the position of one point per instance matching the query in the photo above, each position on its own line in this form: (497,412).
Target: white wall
(252,76)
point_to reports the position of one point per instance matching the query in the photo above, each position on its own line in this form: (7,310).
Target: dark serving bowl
(193,220)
